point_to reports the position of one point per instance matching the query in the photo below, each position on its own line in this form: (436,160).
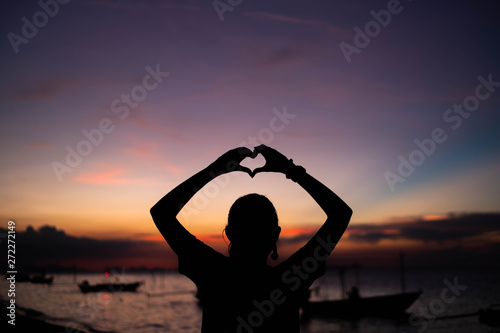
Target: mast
(402,270)
(342,282)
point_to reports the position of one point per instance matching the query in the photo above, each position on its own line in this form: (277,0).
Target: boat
(37,279)
(41,279)
(355,306)
(22,277)
(85,287)
(490,316)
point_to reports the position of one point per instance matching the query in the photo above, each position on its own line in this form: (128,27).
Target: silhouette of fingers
(275,161)
(257,170)
(254,154)
(245,169)
(244,152)
(230,161)
(259,149)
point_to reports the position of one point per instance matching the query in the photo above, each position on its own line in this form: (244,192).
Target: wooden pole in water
(358,281)
(402,270)
(342,282)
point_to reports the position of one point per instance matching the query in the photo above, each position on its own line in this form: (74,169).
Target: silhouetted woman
(241,293)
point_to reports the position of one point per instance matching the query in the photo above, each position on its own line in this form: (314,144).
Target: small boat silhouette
(490,316)
(41,279)
(85,287)
(355,306)
(37,279)
(386,306)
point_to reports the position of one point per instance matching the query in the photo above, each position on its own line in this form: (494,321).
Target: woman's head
(252,227)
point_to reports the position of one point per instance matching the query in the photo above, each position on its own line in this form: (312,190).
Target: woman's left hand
(230,161)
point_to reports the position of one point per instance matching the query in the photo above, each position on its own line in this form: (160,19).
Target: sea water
(166,302)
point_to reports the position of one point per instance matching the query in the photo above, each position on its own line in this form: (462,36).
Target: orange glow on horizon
(153,238)
(434,217)
(292,232)
(212,238)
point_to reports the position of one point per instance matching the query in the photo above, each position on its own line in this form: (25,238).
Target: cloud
(296,235)
(156,237)
(114,4)
(262,57)
(104,175)
(135,5)
(42,88)
(168,131)
(183,7)
(285,19)
(428,229)
(108,174)
(476,241)
(340,33)
(48,245)
(460,240)
(150,152)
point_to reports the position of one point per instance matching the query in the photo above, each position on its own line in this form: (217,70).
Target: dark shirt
(242,299)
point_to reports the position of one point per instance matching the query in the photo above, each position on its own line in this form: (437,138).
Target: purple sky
(352,120)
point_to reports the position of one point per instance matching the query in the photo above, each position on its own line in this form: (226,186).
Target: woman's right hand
(230,161)
(275,161)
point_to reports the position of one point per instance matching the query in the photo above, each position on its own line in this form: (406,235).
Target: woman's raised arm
(165,211)
(337,211)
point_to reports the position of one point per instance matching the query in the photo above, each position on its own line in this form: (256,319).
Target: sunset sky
(231,82)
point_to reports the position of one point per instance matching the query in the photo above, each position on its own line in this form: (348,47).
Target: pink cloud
(260,56)
(284,18)
(42,88)
(150,152)
(293,20)
(107,174)
(183,7)
(160,129)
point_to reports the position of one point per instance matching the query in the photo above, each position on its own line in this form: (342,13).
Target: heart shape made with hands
(253,162)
